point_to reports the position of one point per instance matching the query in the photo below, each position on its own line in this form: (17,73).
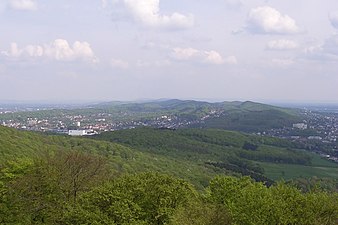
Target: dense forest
(237,152)
(156,176)
(78,188)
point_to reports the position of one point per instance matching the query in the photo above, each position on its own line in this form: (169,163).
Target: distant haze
(104,50)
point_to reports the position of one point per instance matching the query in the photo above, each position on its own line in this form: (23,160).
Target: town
(318,128)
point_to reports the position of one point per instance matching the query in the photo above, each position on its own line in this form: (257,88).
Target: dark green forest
(161,176)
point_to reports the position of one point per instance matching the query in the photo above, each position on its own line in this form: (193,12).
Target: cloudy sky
(261,50)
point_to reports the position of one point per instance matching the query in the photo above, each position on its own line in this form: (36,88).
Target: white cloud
(334,19)
(282,45)
(313,49)
(28,51)
(327,51)
(147,12)
(62,51)
(199,56)
(231,60)
(23,4)
(34,51)
(59,50)
(213,57)
(119,64)
(267,20)
(13,52)
(185,53)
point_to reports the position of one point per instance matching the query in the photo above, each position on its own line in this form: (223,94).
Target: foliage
(40,193)
(253,203)
(253,120)
(147,198)
(250,146)
(315,184)
(201,212)
(71,187)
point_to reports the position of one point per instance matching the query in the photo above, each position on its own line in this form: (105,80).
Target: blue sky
(261,50)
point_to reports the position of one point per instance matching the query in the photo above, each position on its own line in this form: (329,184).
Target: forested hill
(242,116)
(242,153)
(167,150)
(157,177)
(20,148)
(252,117)
(193,154)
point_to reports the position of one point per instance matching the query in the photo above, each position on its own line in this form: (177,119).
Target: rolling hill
(240,116)
(194,154)
(20,148)
(260,157)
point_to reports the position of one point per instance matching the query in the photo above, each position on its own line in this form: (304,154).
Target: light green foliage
(13,170)
(147,198)
(201,212)
(244,198)
(51,182)
(76,215)
(253,203)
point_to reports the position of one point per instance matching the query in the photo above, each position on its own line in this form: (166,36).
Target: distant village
(318,127)
(80,125)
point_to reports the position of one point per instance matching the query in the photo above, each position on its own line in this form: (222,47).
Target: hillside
(259,157)
(252,117)
(22,147)
(64,180)
(193,154)
(243,116)
(16,145)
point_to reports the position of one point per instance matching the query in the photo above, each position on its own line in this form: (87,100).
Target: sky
(106,50)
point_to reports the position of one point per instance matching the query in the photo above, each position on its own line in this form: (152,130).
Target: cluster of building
(94,123)
(317,127)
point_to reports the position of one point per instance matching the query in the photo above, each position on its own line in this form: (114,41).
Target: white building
(81,132)
(315,138)
(77,132)
(301,126)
